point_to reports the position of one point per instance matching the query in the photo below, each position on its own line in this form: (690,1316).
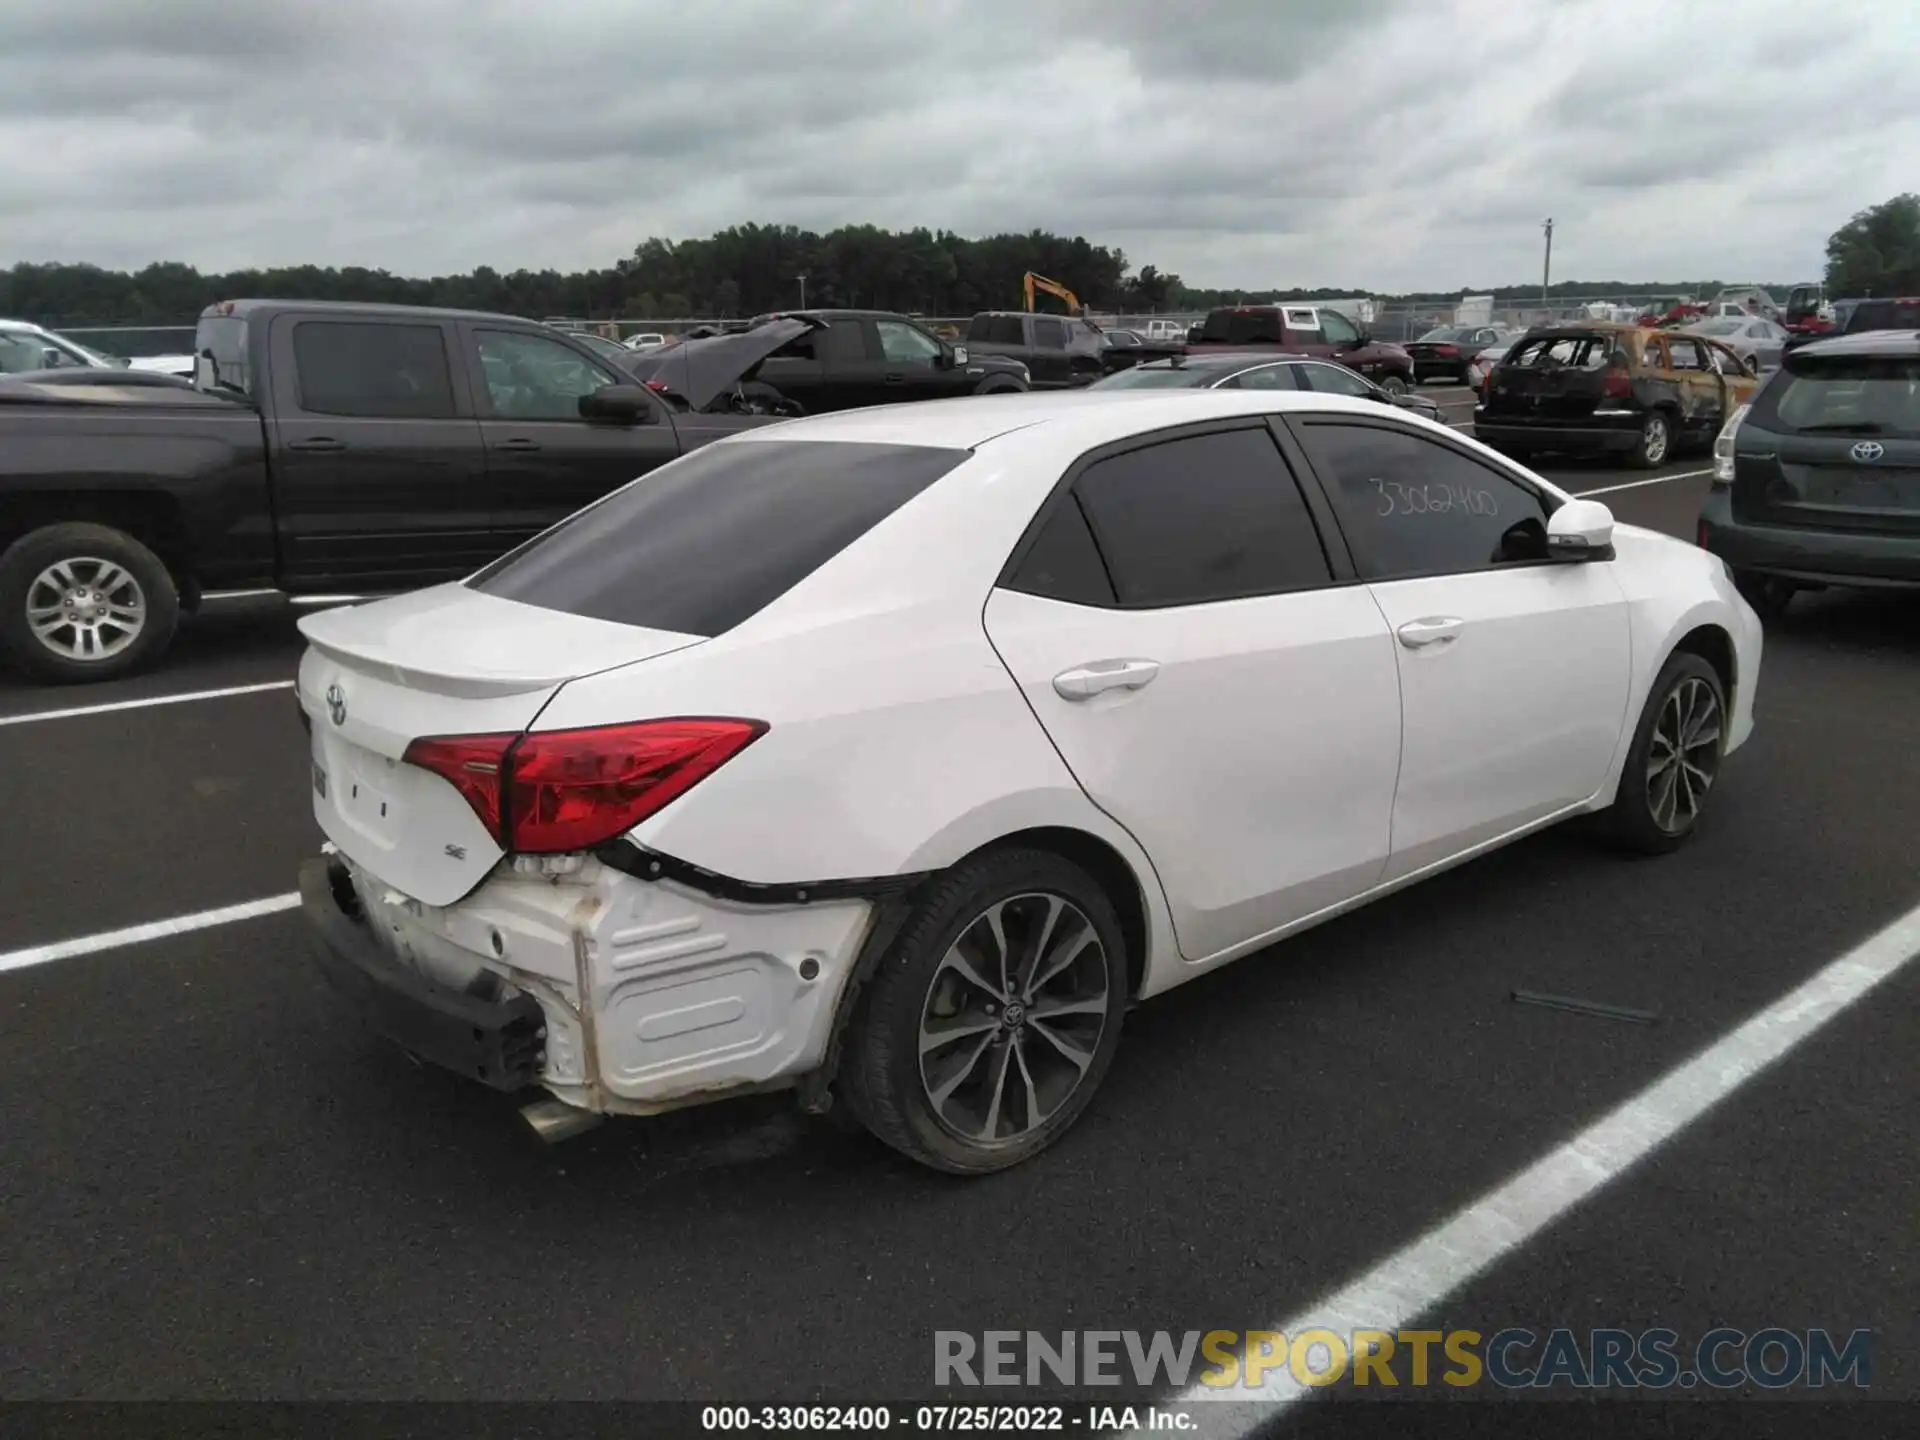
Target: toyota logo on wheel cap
(1868,451)
(337,703)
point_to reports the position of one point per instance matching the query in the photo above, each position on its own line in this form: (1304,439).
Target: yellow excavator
(1052,287)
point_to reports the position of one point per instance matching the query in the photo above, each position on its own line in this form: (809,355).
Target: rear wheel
(1674,760)
(988,1026)
(81,602)
(1656,441)
(1394,385)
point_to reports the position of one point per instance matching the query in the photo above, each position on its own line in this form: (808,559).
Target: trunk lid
(443,661)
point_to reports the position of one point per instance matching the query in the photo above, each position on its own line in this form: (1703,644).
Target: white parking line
(153,930)
(77,710)
(1636,484)
(1411,1282)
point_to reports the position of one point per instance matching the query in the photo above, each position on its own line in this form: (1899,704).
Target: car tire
(1394,384)
(1767,594)
(1655,445)
(999,385)
(936,1102)
(1685,716)
(49,572)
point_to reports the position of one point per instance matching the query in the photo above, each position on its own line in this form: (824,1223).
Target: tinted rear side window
(1208,517)
(702,544)
(1064,563)
(375,371)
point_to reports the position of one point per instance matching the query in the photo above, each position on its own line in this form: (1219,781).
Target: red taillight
(1618,385)
(1447,350)
(1703,535)
(472,764)
(558,790)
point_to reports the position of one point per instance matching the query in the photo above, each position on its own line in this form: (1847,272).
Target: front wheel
(989,1025)
(1674,760)
(82,602)
(1394,385)
(1655,442)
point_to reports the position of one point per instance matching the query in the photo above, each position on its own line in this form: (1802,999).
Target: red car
(1315,330)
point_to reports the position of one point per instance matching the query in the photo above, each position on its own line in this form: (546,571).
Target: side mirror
(618,405)
(52,359)
(1580,530)
(959,353)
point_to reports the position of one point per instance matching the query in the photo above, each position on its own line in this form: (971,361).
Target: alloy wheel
(1655,439)
(86,609)
(1013,1018)
(1684,755)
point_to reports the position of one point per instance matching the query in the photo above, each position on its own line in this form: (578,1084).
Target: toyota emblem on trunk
(1868,451)
(337,704)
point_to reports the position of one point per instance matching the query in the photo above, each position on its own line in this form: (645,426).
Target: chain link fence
(1395,324)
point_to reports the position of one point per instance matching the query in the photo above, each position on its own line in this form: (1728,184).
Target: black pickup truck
(1059,351)
(325,449)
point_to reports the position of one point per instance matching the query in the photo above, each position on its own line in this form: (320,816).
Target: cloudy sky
(1384,145)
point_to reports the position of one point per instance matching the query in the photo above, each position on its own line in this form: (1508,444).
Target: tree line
(750,269)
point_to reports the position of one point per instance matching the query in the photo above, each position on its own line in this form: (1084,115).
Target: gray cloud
(1236,141)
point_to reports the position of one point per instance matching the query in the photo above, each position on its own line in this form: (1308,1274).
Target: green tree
(1877,252)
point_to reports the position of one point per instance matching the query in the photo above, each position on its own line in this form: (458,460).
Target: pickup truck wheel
(82,602)
(1394,385)
(999,385)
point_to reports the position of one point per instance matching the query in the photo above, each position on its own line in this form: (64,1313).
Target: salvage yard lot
(214,1185)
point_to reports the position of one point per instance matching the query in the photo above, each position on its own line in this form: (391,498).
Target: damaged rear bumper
(613,992)
(498,1041)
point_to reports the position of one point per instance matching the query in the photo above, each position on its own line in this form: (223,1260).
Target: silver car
(1754,339)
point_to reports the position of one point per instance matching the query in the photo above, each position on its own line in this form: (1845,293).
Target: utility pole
(1546,270)
(803,290)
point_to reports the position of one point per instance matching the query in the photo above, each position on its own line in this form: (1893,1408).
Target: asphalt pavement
(214,1186)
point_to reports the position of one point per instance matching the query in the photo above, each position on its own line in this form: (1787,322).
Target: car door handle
(1086,681)
(1430,630)
(518,445)
(896,378)
(317,445)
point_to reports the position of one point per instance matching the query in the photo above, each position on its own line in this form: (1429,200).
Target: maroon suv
(1314,330)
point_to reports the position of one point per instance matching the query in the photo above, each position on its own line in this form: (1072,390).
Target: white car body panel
(1264,712)
(1260,783)
(1516,717)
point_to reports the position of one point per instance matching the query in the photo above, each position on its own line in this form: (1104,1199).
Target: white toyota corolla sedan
(889,755)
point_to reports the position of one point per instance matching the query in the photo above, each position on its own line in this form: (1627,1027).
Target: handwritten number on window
(1398,498)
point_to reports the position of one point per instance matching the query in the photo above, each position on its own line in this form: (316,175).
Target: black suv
(1816,482)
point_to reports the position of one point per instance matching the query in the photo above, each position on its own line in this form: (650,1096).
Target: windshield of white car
(1721,327)
(702,544)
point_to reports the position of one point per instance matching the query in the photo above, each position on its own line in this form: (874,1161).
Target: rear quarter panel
(898,742)
(198,471)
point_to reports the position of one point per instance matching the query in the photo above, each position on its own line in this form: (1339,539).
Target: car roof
(23,327)
(1224,360)
(243,308)
(1899,344)
(1093,417)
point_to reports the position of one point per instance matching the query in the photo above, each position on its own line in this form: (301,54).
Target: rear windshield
(707,541)
(1242,327)
(1843,395)
(1884,315)
(224,339)
(1446,334)
(1580,352)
